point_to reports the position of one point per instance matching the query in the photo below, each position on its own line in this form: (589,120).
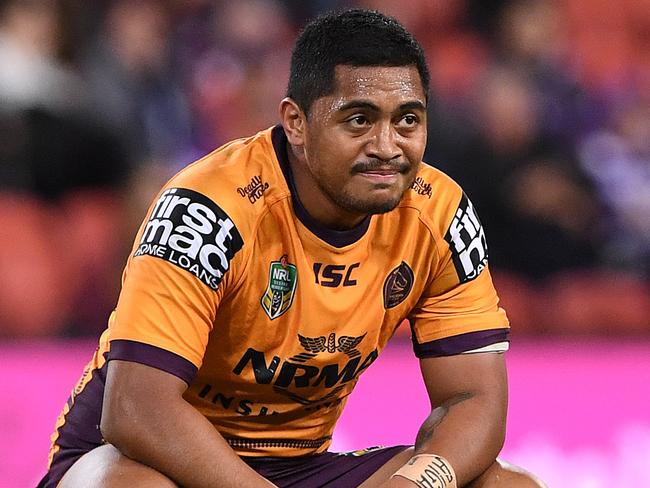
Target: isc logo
(189,230)
(333,275)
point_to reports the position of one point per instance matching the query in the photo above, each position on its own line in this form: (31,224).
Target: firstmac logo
(189,230)
(467,241)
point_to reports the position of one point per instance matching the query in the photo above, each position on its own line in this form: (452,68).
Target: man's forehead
(378,82)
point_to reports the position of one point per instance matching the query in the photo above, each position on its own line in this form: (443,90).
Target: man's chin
(377,206)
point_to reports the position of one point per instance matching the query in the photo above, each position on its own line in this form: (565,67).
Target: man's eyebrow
(367,104)
(414,105)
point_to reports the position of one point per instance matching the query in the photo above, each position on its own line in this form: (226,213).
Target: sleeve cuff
(139,352)
(463,343)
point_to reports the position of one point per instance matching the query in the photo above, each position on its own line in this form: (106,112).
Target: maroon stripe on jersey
(336,238)
(80,432)
(459,343)
(139,352)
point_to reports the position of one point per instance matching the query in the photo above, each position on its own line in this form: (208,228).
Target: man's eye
(358,121)
(409,121)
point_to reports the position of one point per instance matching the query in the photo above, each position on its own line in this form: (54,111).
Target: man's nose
(383,144)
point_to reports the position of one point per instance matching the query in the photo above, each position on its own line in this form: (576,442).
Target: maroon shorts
(330,469)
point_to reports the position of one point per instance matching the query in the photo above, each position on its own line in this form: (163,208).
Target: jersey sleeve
(459,311)
(174,280)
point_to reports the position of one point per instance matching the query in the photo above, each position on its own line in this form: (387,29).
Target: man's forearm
(184,446)
(145,417)
(467,431)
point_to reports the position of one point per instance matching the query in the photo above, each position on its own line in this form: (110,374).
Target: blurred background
(540,109)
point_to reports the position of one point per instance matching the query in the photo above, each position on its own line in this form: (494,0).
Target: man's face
(363,143)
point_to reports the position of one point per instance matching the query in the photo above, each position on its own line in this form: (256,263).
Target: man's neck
(317,203)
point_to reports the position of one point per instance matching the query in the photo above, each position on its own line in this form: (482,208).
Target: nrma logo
(289,377)
(285,373)
(189,230)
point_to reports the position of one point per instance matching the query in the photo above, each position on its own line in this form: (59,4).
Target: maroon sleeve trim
(459,343)
(153,356)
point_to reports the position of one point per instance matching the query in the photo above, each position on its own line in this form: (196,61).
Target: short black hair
(353,37)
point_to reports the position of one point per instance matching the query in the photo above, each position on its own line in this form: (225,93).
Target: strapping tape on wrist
(428,471)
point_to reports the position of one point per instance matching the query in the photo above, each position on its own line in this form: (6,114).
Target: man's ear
(294,121)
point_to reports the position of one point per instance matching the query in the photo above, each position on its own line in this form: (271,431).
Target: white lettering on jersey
(190,231)
(467,241)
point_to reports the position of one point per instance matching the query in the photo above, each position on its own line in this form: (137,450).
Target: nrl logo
(281,288)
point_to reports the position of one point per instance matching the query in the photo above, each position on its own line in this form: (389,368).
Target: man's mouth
(381,176)
(377,168)
(381,172)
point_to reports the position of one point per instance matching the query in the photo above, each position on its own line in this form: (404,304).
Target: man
(269,275)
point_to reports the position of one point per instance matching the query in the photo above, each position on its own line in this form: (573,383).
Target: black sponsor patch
(467,241)
(189,230)
(398,285)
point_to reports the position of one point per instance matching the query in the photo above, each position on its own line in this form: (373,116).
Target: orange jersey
(270,317)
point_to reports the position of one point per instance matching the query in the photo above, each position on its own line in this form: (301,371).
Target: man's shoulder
(241,177)
(235,166)
(430,180)
(434,195)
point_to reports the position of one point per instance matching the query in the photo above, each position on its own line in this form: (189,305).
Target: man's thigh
(106,467)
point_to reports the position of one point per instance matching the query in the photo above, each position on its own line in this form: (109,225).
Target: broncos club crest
(398,285)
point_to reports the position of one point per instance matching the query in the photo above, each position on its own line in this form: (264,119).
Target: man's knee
(106,467)
(505,475)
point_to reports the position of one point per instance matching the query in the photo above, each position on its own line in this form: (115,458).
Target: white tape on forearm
(428,471)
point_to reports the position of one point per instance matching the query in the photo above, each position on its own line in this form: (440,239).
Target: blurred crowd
(539,108)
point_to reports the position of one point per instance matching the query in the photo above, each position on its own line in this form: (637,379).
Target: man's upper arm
(174,280)
(134,388)
(466,375)
(458,310)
